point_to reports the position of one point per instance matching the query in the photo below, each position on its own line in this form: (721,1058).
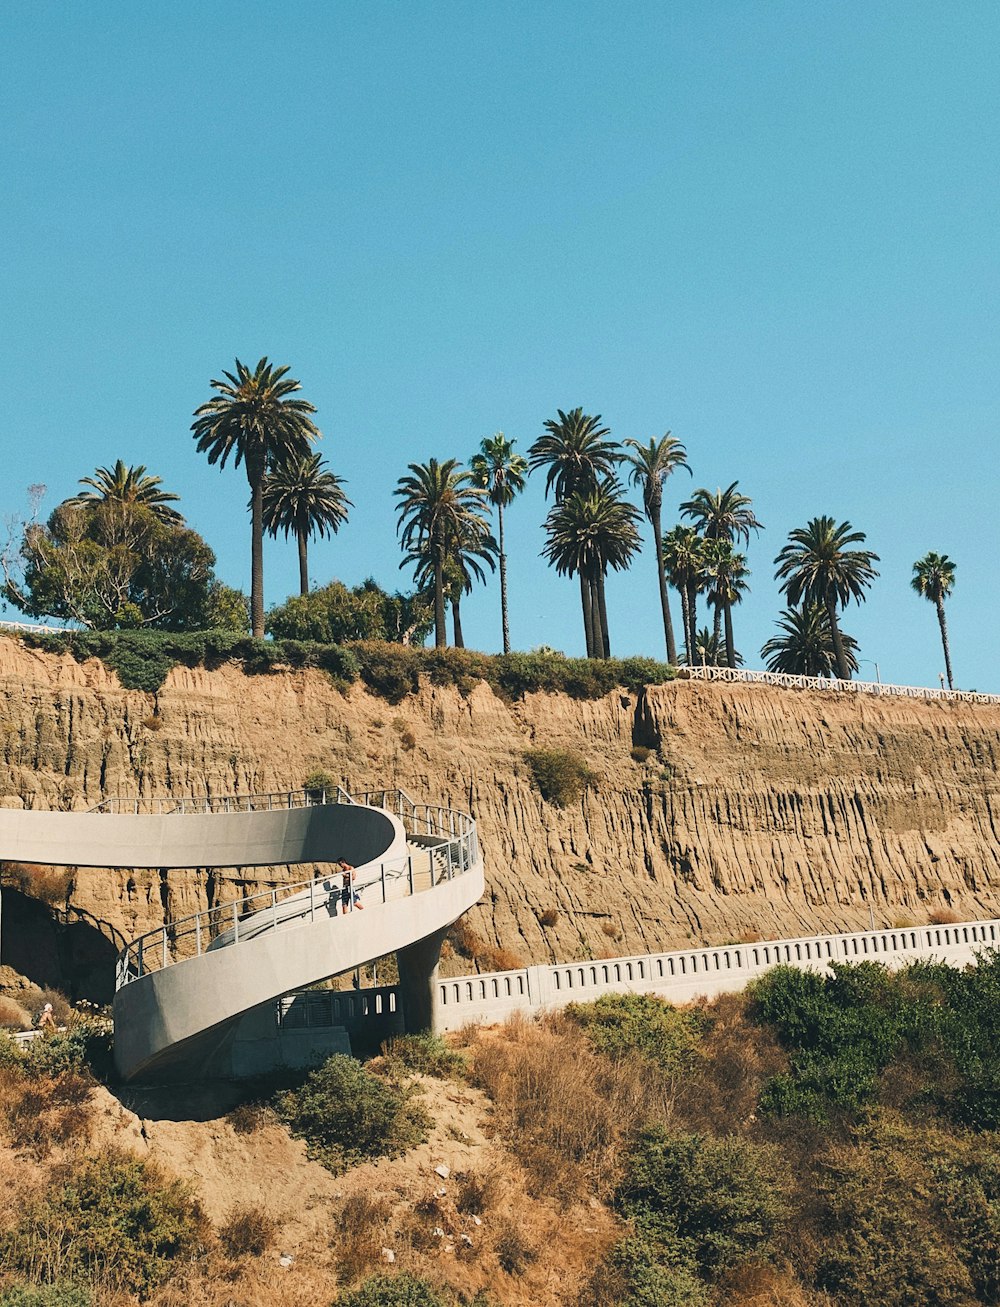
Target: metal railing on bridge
(832,685)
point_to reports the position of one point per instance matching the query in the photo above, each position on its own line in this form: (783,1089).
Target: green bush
(112,1218)
(706,1202)
(639,1025)
(426,1054)
(345,1114)
(46,1295)
(87,1046)
(637,1273)
(402,1290)
(560,775)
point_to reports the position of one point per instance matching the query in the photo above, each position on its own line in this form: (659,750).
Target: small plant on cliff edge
(319,783)
(561,775)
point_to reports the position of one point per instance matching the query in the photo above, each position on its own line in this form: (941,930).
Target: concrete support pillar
(418,969)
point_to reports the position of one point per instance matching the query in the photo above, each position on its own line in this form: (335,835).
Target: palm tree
(683,558)
(462,568)
(805,647)
(253,418)
(302,497)
(439,509)
(726,572)
(500,472)
(817,567)
(588,533)
(726,515)
(708,651)
(576,453)
(934,578)
(128,486)
(650,466)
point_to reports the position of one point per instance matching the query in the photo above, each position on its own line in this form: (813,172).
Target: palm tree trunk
(686,623)
(303,544)
(692,617)
(843,671)
(944,640)
(440,630)
(717,630)
(588,614)
(256,554)
(603,610)
(503,582)
(661,571)
(730,648)
(456,617)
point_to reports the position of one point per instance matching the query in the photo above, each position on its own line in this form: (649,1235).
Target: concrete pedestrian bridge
(197,997)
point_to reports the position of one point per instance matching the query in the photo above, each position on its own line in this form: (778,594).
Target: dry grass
(943,917)
(246,1118)
(51,885)
(611,929)
(567,1111)
(768,1286)
(248,1231)
(12,1015)
(549,917)
(487,957)
(37,1112)
(362,1226)
(722,1092)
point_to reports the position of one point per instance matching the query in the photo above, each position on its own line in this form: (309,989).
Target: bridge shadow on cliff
(71,956)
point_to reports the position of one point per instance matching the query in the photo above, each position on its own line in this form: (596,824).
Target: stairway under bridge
(193,995)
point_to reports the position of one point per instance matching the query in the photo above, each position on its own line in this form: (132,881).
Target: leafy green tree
(934,578)
(684,560)
(302,498)
(255,419)
(128,487)
(576,453)
(650,466)
(588,533)
(725,574)
(106,565)
(817,566)
(439,514)
(500,472)
(334,614)
(805,645)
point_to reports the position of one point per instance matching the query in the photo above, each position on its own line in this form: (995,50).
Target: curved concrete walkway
(182,990)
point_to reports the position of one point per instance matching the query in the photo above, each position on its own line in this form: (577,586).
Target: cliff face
(757,811)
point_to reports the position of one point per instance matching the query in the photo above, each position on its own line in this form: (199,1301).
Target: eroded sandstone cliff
(757,811)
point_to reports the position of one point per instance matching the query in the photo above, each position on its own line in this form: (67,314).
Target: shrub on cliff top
(402,1290)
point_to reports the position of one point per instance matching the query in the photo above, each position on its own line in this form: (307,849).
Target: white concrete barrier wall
(687,974)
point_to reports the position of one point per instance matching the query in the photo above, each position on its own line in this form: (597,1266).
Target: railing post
(274,909)
(139,958)
(382,870)
(312,899)
(236,925)
(409,867)
(164,943)
(197,933)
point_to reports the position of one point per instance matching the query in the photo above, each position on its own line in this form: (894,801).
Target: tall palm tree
(650,466)
(439,508)
(934,578)
(127,486)
(725,515)
(301,497)
(588,533)
(818,567)
(726,572)
(708,651)
(684,559)
(254,419)
(576,453)
(805,646)
(462,568)
(500,472)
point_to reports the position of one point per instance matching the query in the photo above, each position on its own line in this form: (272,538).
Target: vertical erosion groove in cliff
(717,812)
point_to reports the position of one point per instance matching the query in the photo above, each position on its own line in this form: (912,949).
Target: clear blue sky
(771,228)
